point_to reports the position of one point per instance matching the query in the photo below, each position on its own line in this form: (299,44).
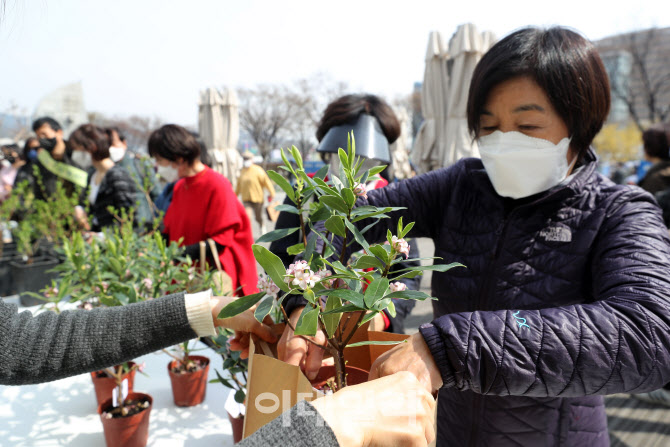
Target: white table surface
(64,412)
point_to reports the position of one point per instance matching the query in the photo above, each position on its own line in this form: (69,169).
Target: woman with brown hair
(108,184)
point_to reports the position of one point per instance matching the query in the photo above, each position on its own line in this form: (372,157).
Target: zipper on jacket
(500,232)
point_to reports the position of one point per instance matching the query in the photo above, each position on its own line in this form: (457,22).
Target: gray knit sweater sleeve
(301,426)
(50,346)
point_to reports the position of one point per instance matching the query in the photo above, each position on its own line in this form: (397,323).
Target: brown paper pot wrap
(132,431)
(355,376)
(274,386)
(189,389)
(104,386)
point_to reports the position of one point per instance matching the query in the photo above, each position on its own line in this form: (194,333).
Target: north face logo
(556,234)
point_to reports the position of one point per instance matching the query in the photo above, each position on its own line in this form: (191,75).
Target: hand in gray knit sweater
(50,346)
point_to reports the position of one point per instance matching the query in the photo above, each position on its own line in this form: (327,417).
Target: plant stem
(360,318)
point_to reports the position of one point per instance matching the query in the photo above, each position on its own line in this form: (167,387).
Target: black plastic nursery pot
(6,283)
(32,277)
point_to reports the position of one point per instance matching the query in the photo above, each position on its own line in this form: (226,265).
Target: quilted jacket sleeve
(620,342)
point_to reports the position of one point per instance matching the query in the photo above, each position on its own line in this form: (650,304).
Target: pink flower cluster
(267,285)
(397,287)
(299,274)
(148,283)
(360,190)
(400,245)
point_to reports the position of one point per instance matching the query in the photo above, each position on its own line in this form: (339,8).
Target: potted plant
(43,224)
(339,296)
(125,418)
(234,376)
(108,379)
(188,376)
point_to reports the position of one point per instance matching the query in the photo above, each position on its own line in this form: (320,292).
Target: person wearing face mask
(142,172)
(53,163)
(203,207)
(566,294)
(109,185)
(375,127)
(250,186)
(11,162)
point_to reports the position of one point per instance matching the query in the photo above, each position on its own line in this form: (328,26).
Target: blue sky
(151,57)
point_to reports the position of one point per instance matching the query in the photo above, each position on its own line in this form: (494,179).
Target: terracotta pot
(131,431)
(355,375)
(105,385)
(188,389)
(238,427)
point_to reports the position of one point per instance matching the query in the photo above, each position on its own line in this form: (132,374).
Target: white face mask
(83,159)
(116,153)
(5,163)
(247,163)
(168,173)
(520,166)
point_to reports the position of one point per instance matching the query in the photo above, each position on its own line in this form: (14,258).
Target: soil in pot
(189,385)
(325,379)
(130,430)
(32,277)
(238,427)
(104,385)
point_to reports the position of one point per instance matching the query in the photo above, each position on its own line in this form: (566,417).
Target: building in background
(65,105)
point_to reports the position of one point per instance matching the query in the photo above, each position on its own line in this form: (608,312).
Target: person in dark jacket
(52,164)
(566,294)
(141,170)
(657,151)
(375,128)
(109,185)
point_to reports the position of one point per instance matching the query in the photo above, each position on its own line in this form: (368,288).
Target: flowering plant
(337,294)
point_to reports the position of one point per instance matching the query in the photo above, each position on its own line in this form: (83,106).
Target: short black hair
(656,143)
(563,63)
(39,122)
(348,108)
(172,142)
(94,139)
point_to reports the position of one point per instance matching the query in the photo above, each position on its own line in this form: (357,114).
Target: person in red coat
(204,206)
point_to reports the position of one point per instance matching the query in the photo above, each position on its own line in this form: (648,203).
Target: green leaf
(222,380)
(349,197)
(296,156)
(121,298)
(357,235)
(335,224)
(379,251)
(296,249)
(375,291)
(406,230)
(323,186)
(335,202)
(271,264)
(321,213)
(435,267)
(322,172)
(367,261)
(240,395)
(344,158)
(368,317)
(354,298)
(330,322)
(240,305)
(391,309)
(288,166)
(408,295)
(264,308)
(379,213)
(283,184)
(376,170)
(311,246)
(373,342)
(308,321)
(287,208)
(276,234)
(342,309)
(399,226)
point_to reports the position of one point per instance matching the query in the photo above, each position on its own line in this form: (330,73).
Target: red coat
(205,206)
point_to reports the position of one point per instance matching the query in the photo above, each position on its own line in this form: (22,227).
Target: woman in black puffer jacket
(108,184)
